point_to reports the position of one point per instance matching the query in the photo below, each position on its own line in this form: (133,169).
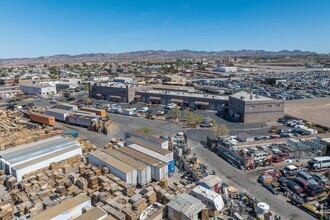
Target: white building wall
(74,212)
(21,172)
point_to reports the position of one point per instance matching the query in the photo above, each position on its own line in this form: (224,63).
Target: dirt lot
(314,110)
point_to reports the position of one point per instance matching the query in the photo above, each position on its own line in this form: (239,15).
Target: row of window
(269,106)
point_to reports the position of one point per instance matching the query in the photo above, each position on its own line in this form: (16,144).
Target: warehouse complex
(27,158)
(250,108)
(189,99)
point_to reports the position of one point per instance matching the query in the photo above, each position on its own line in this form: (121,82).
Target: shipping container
(143,170)
(159,169)
(42,118)
(66,106)
(58,114)
(83,112)
(116,167)
(155,155)
(99,112)
(81,120)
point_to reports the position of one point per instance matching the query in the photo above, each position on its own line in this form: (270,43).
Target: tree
(193,118)
(86,88)
(175,112)
(220,130)
(145,130)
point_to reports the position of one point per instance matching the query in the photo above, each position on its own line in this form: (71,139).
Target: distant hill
(159,54)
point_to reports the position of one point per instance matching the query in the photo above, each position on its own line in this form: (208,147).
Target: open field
(314,110)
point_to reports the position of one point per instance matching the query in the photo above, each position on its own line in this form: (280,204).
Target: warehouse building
(143,171)
(250,108)
(116,167)
(189,99)
(68,209)
(117,92)
(159,142)
(22,160)
(169,161)
(159,169)
(150,146)
(38,89)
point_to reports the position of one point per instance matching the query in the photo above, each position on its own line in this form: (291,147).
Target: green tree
(145,130)
(175,112)
(220,130)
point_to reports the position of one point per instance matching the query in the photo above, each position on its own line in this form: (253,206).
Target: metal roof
(37,149)
(93,213)
(144,158)
(149,146)
(187,205)
(62,207)
(210,180)
(117,164)
(150,153)
(126,159)
(145,136)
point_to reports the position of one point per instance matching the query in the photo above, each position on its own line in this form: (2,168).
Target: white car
(144,109)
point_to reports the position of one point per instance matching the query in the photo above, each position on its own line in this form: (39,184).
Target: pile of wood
(6,212)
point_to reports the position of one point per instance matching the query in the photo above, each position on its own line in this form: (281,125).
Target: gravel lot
(314,110)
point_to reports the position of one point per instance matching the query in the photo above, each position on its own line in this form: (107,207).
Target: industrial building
(185,207)
(116,167)
(189,99)
(159,142)
(159,169)
(251,108)
(143,171)
(27,158)
(169,161)
(68,209)
(149,146)
(227,69)
(174,80)
(117,92)
(38,89)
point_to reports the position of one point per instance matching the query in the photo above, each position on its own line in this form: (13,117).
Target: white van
(290,170)
(319,163)
(260,156)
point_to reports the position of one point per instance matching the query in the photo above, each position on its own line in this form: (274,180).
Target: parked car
(314,190)
(301,182)
(206,125)
(143,109)
(306,177)
(290,170)
(321,179)
(294,187)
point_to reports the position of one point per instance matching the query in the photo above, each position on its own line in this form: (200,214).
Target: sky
(32,28)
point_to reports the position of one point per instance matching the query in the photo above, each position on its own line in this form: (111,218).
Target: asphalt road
(243,181)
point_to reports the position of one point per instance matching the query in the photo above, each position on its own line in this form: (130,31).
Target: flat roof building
(251,108)
(68,209)
(95,213)
(112,91)
(27,158)
(189,99)
(38,89)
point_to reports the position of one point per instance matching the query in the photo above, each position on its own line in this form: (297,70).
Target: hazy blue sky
(30,28)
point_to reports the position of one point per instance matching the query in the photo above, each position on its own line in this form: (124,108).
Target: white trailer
(81,120)
(128,112)
(58,114)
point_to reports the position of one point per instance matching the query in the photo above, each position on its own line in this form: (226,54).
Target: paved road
(243,182)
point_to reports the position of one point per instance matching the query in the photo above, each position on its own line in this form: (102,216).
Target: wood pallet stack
(6,212)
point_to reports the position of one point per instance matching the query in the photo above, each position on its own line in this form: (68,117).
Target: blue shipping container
(171,167)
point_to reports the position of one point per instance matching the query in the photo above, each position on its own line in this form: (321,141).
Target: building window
(252,107)
(269,106)
(278,106)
